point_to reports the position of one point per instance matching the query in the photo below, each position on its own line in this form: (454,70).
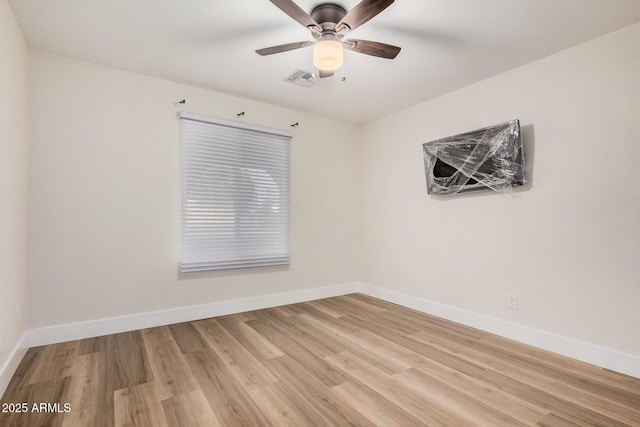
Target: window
(235,195)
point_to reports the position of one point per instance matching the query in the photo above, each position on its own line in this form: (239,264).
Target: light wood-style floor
(350,360)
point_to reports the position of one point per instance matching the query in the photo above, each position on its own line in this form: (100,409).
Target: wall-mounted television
(487,158)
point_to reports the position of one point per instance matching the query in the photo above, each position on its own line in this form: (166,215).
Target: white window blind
(235,195)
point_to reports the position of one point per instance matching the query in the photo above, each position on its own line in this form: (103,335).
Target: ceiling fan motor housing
(327,15)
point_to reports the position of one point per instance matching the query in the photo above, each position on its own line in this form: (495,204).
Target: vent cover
(301,78)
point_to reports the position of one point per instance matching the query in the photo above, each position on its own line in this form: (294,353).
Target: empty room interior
(292,213)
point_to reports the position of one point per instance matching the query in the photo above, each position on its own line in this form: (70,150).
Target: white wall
(13,186)
(105,195)
(568,245)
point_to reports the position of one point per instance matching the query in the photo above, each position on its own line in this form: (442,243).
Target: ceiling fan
(329,23)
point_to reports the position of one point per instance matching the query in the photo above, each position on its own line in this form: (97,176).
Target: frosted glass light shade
(328,55)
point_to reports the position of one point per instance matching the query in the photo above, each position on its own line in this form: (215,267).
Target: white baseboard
(99,327)
(9,367)
(628,364)
(590,353)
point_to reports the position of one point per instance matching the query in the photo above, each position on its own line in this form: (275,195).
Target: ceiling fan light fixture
(328,55)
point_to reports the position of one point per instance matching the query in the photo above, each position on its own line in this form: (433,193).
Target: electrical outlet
(318,273)
(512,302)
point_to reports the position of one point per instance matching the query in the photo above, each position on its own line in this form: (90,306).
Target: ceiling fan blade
(362,12)
(283,48)
(367,47)
(325,73)
(294,11)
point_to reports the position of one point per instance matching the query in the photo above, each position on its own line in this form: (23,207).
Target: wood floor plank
(490,396)
(311,309)
(552,420)
(375,407)
(396,392)
(314,394)
(548,400)
(190,410)
(420,322)
(360,304)
(373,301)
(238,360)
(351,360)
(557,361)
(359,308)
(473,408)
(49,391)
(27,366)
(169,368)
(126,366)
(139,405)
(363,348)
(93,345)
(256,344)
(127,362)
(541,366)
(87,391)
(228,399)
(278,408)
(57,361)
(298,351)
(285,311)
(380,323)
(187,338)
(326,306)
(270,314)
(316,340)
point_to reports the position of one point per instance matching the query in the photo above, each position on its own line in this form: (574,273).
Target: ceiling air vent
(301,78)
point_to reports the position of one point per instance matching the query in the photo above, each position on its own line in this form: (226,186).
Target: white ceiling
(446,44)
